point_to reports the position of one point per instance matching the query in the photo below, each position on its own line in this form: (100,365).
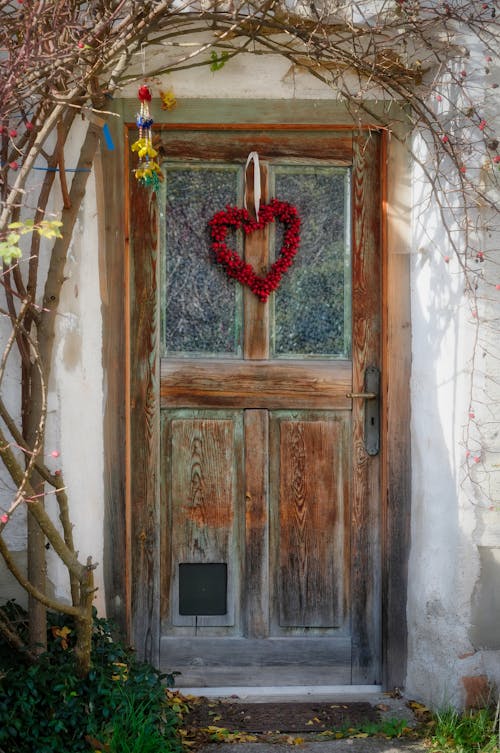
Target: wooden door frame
(132,408)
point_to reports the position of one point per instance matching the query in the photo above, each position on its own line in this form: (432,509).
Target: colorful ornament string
(148,172)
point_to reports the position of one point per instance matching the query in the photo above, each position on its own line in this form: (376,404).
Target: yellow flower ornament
(148,172)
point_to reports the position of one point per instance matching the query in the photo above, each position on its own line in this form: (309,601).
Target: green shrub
(45,707)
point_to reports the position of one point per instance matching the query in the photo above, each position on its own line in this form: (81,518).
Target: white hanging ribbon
(253,157)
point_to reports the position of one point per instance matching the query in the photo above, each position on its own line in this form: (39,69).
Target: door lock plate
(372,410)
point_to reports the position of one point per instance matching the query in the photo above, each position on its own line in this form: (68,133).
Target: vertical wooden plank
(314,463)
(165,555)
(256,578)
(144,420)
(256,313)
(205,490)
(110,171)
(202,495)
(202,489)
(365,531)
(396,372)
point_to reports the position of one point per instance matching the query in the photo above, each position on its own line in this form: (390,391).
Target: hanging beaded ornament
(148,172)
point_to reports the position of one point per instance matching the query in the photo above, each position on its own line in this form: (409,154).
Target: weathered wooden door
(269,494)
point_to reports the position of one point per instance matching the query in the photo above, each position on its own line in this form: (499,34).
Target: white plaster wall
(74,400)
(76,393)
(455,437)
(443,563)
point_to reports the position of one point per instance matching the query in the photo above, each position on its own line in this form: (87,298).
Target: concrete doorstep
(349,745)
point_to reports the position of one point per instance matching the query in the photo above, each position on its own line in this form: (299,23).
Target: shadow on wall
(485,623)
(442,567)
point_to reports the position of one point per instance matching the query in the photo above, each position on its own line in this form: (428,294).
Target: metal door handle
(371,409)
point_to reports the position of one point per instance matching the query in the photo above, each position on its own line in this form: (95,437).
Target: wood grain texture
(256,578)
(203,497)
(256,313)
(211,662)
(395,413)
(202,502)
(396,445)
(144,422)
(256,384)
(165,539)
(308,385)
(365,511)
(310,472)
(110,170)
(314,471)
(257,652)
(215,145)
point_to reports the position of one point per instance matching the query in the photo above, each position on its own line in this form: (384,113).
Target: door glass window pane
(201,309)
(312,305)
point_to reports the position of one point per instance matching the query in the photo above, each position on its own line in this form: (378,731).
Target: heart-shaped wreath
(234,265)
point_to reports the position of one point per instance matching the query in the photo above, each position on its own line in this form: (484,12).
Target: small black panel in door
(202,589)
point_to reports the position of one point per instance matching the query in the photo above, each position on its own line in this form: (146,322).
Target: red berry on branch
(144,94)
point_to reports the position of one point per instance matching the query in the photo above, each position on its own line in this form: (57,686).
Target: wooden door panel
(264,473)
(310,490)
(202,142)
(273,661)
(204,458)
(256,384)
(365,501)
(256,593)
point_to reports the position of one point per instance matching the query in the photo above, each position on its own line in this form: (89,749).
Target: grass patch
(468,732)
(387,728)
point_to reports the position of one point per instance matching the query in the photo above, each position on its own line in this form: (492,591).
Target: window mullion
(256,313)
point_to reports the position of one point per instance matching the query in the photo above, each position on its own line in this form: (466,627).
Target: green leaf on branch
(45,228)
(9,249)
(26,226)
(218,62)
(49,228)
